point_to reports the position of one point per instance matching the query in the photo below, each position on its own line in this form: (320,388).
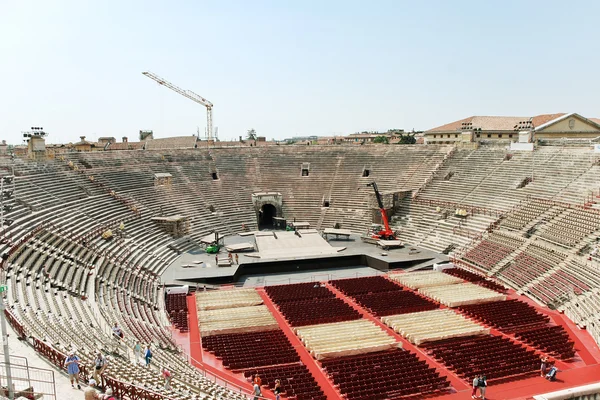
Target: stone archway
(265,216)
(267,206)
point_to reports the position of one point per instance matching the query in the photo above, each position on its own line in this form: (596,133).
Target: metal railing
(28,380)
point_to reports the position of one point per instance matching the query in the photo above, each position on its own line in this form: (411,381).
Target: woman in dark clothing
(277,389)
(482,383)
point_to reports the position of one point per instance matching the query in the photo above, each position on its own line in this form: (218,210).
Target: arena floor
(584,368)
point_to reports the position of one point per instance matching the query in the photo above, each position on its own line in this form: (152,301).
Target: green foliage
(407,139)
(251,135)
(381,139)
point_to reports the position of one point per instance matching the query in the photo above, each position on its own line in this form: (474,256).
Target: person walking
(166,374)
(257,380)
(277,389)
(475,387)
(100,365)
(72,364)
(237,259)
(256,392)
(148,355)
(137,352)
(482,383)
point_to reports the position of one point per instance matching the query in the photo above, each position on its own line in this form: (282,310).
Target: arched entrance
(265,216)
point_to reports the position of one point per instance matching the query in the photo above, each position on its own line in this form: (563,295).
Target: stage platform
(280,252)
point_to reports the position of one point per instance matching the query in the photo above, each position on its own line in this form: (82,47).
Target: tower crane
(190,95)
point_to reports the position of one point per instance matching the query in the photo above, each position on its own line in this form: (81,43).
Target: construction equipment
(190,95)
(213,248)
(212,243)
(385,233)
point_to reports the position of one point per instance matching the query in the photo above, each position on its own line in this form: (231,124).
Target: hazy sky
(290,68)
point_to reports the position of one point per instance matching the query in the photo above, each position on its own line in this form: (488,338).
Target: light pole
(5,344)
(2,305)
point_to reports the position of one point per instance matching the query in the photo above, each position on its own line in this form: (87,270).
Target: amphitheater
(522,281)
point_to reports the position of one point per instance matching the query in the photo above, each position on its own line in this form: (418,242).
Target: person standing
(166,374)
(257,380)
(72,364)
(117,336)
(475,387)
(148,355)
(137,352)
(543,366)
(100,365)
(277,389)
(237,259)
(117,332)
(256,392)
(482,383)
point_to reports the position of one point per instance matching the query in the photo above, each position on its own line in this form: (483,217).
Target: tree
(381,139)
(251,135)
(407,139)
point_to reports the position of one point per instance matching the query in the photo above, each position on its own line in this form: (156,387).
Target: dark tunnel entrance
(265,216)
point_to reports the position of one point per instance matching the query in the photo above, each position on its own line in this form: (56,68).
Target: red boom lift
(386,233)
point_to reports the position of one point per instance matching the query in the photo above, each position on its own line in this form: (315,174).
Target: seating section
(235,320)
(309,304)
(496,357)
(49,278)
(296,381)
(458,295)
(427,326)
(177,309)
(531,264)
(364,285)
(570,227)
(345,338)
(525,214)
(507,316)
(490,251)
(558,284)
(584,311)
(298,291)
(381,297)
(422,279)
(388,374)
(317,311)
(396,302)
(245,336)
(239,351)
(476,279)
(485,177)
(552,340)
(221,299)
